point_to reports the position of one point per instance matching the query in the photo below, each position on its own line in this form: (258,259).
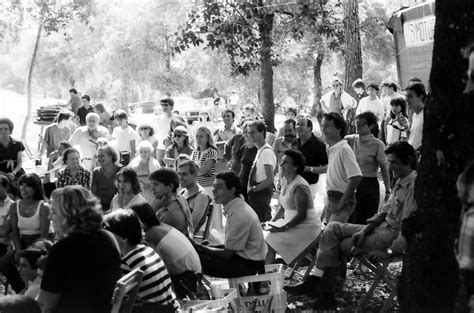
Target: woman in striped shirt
(156,288)
(205,157)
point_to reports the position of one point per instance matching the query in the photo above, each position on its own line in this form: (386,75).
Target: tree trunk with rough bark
(430,274)
(353,51)
(30,80)
(317,84)
(265,26)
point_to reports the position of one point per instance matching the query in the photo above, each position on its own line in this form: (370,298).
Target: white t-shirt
(162,129)
(265,156)
(342,165)
(374,106)
(81,137)
(416,131)
(123,137)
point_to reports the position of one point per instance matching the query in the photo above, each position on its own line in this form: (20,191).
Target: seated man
(156,284)
(380,238)
(11,160)
(244,249)
(170,208)
(198,200)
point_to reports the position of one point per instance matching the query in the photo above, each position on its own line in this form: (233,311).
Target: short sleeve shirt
(82,113)
(53,135)
(123,137)
(243,233)
(416,132)
(206,179)
(342,166)
(81,137)
(10,153)
(315,154)
(265,156)
(369,152)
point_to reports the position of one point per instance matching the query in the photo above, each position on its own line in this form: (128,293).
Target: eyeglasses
(335,86)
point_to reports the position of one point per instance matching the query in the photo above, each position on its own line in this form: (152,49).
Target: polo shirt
(265,156)
(315,154)
(369,152)
(342,166)
(82,113)
(416,131)
(10,153)
(243,233)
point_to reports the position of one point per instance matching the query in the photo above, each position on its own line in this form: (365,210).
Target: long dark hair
(34,181)
(399,101)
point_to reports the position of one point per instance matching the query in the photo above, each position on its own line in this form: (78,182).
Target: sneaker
(307,287)
(327,302)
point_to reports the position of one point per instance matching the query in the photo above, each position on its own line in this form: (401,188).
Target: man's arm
(351,187)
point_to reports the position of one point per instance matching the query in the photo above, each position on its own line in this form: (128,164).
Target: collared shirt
(224,134)
(243,233)
(82,138)
(397,208)
(369,152)
(82,113)
(83,178)
(198,202)
(315,154)
(10,153)
(176,213)
(342,165)
(416,131)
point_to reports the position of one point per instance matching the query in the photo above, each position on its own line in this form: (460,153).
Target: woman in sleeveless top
(29,215)
(295,225)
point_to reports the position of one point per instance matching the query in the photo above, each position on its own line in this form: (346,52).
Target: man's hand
(275,229)
(358,237)
(377,255)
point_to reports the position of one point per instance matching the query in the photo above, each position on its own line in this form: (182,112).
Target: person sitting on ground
(145,164)
(129,190)
(170,208)
(11,155)
(103,177)
(73,173)
(55,133)
(83,267)
(177,252)
(125,136)
(198,200)
(397,121)
(180,145)
(296,224)
(7,255)
(156,287)
(146,132)
(379,239)
(244,249)
(88,138)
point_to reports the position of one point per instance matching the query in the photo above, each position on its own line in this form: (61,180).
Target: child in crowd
(397,122)
(156,287)
(126,137)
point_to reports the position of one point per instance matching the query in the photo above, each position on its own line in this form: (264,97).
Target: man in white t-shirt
(372,103)
(125,136)
(416,95)
(343,172)
(260,184)
(162,127)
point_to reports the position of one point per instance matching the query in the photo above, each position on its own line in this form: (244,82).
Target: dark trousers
(9,270)
(237,266)
(183,283)
(367,200)
(260,203)
(124,158)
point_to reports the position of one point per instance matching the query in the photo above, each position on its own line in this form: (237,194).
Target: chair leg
(310,267)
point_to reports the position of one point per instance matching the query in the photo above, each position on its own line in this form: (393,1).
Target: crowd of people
(140,197)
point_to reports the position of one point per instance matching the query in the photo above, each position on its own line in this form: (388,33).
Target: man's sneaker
(327,302)
(307,287)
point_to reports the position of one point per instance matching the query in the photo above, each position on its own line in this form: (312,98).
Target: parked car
(200,107)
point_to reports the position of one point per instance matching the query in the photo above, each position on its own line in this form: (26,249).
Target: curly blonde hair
(77,208)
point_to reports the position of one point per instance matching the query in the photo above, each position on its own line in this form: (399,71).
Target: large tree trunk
(353,51)
(429,276)
(30,79)
(265,26)
(317,84)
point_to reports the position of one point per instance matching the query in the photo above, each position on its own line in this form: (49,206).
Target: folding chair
(308,254)
(207,227)
(380,272)
(127,285)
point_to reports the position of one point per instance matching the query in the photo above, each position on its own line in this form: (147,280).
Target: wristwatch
(254,187)
(311,169)
(390,252)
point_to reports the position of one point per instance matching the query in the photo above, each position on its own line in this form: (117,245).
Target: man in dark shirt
(313,150)
(85,109)
(75,101)
(10,154)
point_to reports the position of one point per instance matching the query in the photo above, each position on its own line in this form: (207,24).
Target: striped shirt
(156,284)
(206,179)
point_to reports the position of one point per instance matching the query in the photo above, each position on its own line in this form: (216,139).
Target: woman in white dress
(296,223)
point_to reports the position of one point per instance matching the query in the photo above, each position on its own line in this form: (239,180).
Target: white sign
(419,31)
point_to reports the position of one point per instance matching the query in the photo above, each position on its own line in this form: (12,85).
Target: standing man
(285,141)
(313,150)
(234,101)
(416,96)
(75,101)
(260,185)
(85,109)
(163,127)
(337,100)
(88,138)
(225,133)
(244,249)
(198,200)
(372,103)
(55,133)
(126,137)
(343,172)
